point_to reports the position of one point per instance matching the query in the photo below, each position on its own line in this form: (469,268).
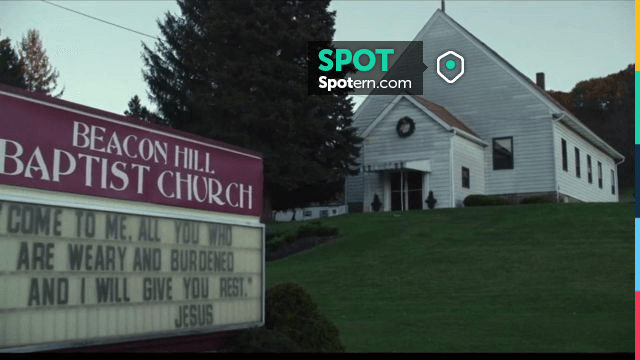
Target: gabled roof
(565,116)
(511,67)
(445,115)
(438,113)
(570,120)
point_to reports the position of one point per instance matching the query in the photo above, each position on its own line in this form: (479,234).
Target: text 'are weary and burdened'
(77,257)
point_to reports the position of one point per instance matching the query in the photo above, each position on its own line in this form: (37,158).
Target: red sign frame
(56,145)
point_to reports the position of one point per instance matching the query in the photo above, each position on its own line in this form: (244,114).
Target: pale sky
(101,65)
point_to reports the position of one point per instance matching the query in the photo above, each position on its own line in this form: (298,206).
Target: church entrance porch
(399,185)
(406,190)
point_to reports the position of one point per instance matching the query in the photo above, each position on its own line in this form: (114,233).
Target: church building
(493,131)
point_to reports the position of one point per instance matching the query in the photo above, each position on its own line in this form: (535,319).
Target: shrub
(316,229)
(292,324)
(290,238)
(376,204)
(275,243)
(431,201)
(326,231)
(536,200)
(269,235)
(485,200)
(291,311)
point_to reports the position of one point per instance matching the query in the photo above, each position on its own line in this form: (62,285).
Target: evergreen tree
(38,73)
(236,71)
(10,72)
(136,109)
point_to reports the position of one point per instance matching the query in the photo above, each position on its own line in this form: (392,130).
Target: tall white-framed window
(599,174)
(613,182)
(466,180)
(577,162)
(589,170)
(565,163)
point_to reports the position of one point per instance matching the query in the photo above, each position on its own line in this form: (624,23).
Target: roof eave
(576,125)
(541,94)
(470,137)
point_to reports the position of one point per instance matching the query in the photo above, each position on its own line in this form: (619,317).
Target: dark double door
(406,190)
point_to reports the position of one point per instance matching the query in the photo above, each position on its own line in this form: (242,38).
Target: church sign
(53,148)
(113,230)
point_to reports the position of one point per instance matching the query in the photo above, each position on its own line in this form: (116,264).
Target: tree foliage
(38,73)
(236,71)
(136,109)
(293,323)
(606,105)
(10,72)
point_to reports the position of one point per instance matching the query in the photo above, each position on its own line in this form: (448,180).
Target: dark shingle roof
(444,114)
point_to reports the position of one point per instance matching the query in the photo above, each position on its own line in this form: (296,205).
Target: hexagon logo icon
(450,65)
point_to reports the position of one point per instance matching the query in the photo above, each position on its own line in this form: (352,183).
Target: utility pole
(442,5)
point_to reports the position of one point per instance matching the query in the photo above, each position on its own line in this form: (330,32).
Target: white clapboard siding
(360,188)
(579,187)
(470,155)
(494,100)
(370,108)
(354,187)
(374,185)
(430,141)
(494,103)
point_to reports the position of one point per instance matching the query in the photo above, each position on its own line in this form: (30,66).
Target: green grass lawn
(526,278)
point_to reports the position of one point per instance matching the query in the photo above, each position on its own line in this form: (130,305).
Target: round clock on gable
(405,127)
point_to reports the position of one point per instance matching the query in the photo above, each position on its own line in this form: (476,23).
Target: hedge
(316,228)
(537,200)
(485,200)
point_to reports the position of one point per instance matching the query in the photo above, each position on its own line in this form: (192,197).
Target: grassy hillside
(527,278)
